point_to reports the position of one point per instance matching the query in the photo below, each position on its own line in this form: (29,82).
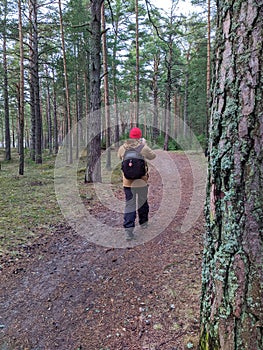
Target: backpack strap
(139,148)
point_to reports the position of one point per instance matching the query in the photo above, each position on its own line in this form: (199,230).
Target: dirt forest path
(69,293)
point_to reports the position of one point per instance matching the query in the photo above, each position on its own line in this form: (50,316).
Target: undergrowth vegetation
(28,203)
(29,206)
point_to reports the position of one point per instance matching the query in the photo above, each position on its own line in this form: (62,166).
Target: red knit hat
(135,133)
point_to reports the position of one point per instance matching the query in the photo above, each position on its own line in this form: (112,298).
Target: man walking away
(133,154)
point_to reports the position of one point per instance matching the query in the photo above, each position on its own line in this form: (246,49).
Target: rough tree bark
(93,172)
(232,293)
(36,117)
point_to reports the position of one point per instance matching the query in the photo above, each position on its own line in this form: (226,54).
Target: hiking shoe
(144,225)
(129,233)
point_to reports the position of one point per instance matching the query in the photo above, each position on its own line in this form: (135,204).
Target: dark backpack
(133,164)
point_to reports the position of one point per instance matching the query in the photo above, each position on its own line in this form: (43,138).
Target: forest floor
(63,291)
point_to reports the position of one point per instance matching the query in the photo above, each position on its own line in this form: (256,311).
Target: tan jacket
(146,152)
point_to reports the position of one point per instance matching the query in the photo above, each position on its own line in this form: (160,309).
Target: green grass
(28,203)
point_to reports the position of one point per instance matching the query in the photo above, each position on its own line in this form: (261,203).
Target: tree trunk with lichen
(232,286)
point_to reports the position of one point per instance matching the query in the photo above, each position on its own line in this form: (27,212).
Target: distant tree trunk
(6,96)
(186,121)
(232,291)
(13,132)
(155,97)
(168,95)
(86,80)
(106,91)
(78,111)
(87,101)
(36,119)
(186,104)
(79,100)
(208,67)
(114,81)
(137,74)
(55,122)
(93,172)
(114,73)
(49,119)
(31,87)
(21,92)
(68,112)
(176,126)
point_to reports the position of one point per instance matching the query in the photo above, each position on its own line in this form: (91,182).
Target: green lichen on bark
(232,274)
